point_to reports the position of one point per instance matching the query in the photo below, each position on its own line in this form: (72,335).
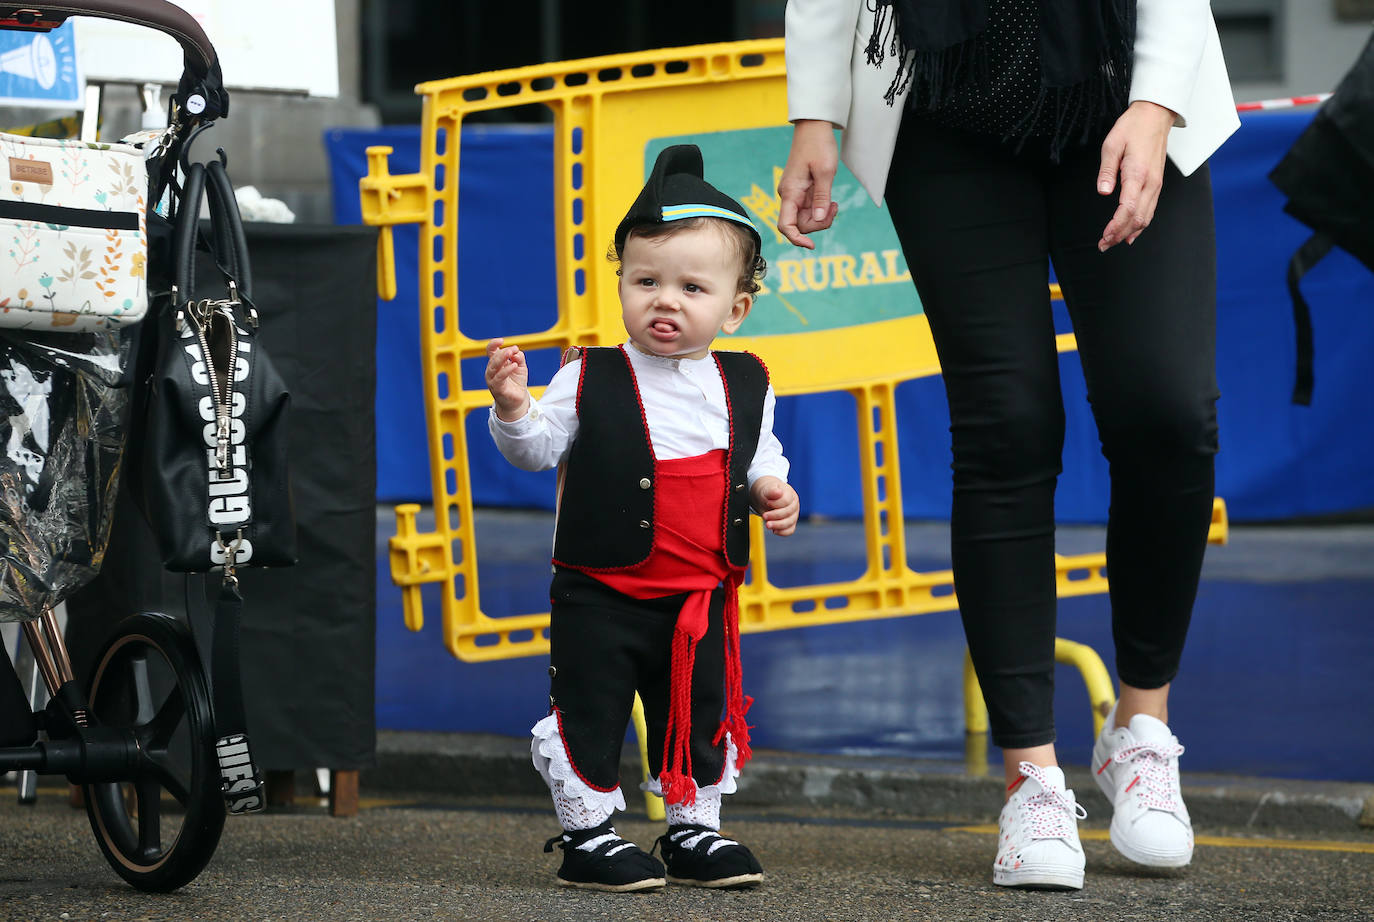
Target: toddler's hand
(778,503)
(508,380)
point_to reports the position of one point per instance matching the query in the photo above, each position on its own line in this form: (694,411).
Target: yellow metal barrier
(653,806)
(608,114)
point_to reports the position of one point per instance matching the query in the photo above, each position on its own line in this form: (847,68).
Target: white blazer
(1178,64)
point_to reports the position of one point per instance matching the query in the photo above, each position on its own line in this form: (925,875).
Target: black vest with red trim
(606,514)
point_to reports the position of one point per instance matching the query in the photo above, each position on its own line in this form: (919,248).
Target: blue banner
(40,69)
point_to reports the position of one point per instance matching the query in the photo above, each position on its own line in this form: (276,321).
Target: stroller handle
(156,14)
(202,64)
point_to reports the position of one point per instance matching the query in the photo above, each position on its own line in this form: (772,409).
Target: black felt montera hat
(676,191)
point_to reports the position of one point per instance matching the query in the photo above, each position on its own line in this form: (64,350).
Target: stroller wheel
(159,828)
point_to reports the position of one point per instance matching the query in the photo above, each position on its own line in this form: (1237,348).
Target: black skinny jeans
(977,223)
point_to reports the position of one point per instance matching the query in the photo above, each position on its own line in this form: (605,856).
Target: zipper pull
(222,440)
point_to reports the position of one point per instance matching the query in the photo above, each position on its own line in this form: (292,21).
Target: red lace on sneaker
(1154,774)
(1051,813)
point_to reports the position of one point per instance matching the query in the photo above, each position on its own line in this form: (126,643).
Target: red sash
(688,556)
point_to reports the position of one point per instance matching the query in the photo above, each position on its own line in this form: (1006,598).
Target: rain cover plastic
(62,419)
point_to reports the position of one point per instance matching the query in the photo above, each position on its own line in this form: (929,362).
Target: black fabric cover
(1328,176)
(309,631)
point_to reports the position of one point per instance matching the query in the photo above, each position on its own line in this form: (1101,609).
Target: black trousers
(605,646)
(979,224)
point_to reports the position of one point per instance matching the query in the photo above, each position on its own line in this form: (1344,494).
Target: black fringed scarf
(1085,57)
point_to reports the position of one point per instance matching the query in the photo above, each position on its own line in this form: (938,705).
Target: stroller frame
(140,739)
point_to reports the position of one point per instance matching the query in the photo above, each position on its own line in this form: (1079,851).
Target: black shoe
(617,864)
(698,856)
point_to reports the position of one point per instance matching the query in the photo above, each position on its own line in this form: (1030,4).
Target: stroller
(141,738)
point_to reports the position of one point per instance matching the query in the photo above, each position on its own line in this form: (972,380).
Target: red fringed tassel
(675,778)
(736,702)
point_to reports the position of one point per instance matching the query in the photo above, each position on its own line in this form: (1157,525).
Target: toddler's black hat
(675,191)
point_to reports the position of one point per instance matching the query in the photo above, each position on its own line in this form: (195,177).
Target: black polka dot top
(1013,50)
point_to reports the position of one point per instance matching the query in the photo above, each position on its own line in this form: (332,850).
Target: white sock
(573,812)
(705,812)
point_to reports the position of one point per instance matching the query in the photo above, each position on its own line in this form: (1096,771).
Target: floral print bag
(73,234)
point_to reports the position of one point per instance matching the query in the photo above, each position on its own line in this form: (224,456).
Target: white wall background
(281,45)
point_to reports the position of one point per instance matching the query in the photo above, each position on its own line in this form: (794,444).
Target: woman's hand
(507,379)
(804,189)
(777,502)
(1135,148)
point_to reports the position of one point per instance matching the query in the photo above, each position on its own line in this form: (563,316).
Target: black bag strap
(203,163)
(1307,256)
(206,179)
(240,778)
(184,234)
(227,224)
(241,782)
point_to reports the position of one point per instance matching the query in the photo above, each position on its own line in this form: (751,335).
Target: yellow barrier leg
(975,712)
(653,804)
(975,722)
(1081,656)
(1089,665)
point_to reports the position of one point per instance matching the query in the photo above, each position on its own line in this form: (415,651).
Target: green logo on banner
(856,274)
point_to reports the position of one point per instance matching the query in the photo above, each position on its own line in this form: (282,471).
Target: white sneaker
(1137,768)
(1037,844)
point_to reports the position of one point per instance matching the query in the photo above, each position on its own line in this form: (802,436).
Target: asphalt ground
(412,856)
(452,823)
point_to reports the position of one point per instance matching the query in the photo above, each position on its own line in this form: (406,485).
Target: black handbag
(213,465)
(210,462)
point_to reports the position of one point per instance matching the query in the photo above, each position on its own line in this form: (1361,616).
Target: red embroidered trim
(567,751)
(767,378)
(581,376)
(644,423)
(729,459)
(724,766)
(634,379)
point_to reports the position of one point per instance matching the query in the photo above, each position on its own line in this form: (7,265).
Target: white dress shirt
(684,406)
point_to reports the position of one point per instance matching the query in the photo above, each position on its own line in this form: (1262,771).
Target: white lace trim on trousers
(550,757)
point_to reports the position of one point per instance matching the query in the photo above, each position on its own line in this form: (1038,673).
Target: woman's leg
(972,222)
(1145,318)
